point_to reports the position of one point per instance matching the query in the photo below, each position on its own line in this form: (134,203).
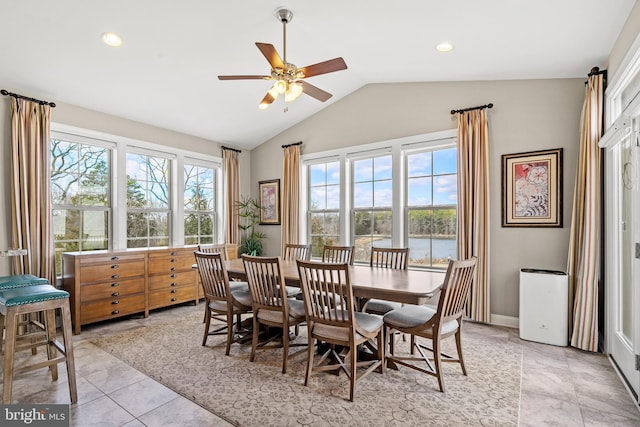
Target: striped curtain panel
(232,192)
(31,189)
(291,196)
(473,206)
(583,264)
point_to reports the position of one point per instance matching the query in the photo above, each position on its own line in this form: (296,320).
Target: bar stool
(17,301)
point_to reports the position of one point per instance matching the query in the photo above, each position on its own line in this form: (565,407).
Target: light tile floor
(560,386)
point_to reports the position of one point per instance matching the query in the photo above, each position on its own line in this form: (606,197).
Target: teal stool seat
(20,280)
(16,302)
(30,295)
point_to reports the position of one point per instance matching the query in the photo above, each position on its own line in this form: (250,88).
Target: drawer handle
(173,291)
(173,276)
(114,258)
(114,266)
(173,269)
(115,284)
(115,276)
(115,302)
(173,299)
(174,253)
(115,312)
(174,260)
(115,294)
(174,284)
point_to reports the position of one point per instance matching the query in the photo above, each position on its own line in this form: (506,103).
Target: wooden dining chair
(214,249)
(220,299)
(271,305)
(293,252)
(339,325)
(338,254)
(423,321)
(392,258)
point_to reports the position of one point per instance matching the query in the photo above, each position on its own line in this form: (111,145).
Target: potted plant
(249,213)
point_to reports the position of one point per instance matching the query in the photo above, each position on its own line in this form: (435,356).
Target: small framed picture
(532,189)
(270,202)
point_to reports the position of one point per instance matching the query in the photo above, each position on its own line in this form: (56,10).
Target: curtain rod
(595,70)
(479,107)
(291,145)
(231,149)
(15,95)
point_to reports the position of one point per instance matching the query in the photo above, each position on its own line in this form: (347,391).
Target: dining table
(412,286)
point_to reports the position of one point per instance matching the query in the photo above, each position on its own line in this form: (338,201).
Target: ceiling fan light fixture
(280,86)
(293,92)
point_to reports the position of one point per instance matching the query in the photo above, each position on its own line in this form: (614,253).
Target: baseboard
(508,321)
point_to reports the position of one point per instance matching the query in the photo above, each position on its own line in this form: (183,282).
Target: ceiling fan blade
(267,100)
(335,64)
(271,54)
(314,91)
(244,77)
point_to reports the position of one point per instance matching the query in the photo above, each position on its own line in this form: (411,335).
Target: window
(148,208)
(432,207)
(399,193)
(80,189)
(372,205)
(324,205)
(199,205)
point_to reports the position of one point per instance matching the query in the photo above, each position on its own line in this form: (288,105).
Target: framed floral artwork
(532,189)
(270,202)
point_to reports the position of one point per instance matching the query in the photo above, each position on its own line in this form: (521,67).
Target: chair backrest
(455,289)
(213,275)
(328,299)
(293,252)
(338,254)
(394,258)
(264,275)
(214,249)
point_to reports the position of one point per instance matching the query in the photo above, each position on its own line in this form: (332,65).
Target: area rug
(258,394)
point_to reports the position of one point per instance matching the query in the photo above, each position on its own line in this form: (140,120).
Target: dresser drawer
(110,258)
(171,296)
(108,272)
(115,307)
(171,264)
(110,289)
(163,281)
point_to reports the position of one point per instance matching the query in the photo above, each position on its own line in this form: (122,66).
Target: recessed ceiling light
(444,47)
(111,39)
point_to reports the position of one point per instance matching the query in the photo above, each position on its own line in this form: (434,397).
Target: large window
(400,193)
(372,202)
(199,205)
(148,208)
(431,207)
(324,205)
(80,189)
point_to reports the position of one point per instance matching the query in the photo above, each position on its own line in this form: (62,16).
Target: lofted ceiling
(165,72)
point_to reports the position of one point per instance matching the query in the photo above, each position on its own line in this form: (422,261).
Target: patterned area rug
(250,394)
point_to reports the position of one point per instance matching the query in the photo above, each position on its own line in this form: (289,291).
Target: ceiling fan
(289,78)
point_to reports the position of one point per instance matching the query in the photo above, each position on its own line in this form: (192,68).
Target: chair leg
(68,351)
(353,353)
(437,360)
(459,348)
(229,332)
(50,325)
(381,344)
(9,351)
(254,339)
(207,323)
(285,345)
(310,352)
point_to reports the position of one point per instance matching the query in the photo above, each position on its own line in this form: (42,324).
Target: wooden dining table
(405,286)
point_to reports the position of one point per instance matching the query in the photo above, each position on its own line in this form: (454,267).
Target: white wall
(528,115)
(83,118)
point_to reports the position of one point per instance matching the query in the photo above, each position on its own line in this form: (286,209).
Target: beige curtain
(583,264)
(473,206)
(31,189)
(291,195)
(232,192)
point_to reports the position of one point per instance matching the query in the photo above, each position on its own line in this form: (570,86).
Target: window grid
(324,206)
(199,205)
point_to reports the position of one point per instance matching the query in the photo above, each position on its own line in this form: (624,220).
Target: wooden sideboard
(110,284)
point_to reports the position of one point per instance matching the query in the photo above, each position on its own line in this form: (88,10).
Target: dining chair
(293,252)
(337,254)
(271,305)
(221,300)
(423,321)
(392,258)
(214,248)
(338,325)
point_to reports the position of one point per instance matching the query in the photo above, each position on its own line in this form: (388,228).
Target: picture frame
(270,202)
(532,189)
